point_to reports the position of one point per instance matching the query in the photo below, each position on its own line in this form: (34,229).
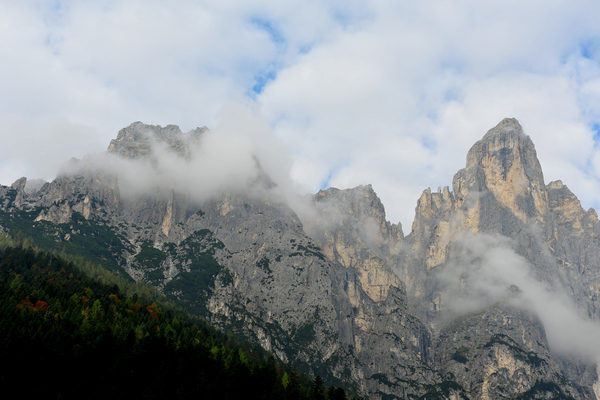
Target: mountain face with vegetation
(70,334)
(453,310)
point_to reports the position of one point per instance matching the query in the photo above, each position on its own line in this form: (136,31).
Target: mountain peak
(505,150)
(504,167)
(508,126)
(138,140)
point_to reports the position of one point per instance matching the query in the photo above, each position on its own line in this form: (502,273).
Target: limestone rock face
(502,172)
(574,242)
(350,227)
(280,280)
(500,191)
(446,312)
(491,364)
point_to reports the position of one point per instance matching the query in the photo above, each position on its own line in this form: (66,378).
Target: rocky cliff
(452,310)
(472,251)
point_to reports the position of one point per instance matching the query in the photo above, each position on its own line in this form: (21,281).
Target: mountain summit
(138,140)
(472,304)
(503,167)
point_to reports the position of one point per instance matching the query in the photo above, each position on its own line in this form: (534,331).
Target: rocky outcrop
(503,180)
(491,364)
(500,191)
(574,242)
(351,228)
(139,140)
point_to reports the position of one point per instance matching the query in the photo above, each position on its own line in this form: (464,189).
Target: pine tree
(293,390)
(317,391)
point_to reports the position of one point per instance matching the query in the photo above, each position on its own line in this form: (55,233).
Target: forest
(76,334)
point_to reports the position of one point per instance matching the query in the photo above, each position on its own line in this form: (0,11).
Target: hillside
(73,334)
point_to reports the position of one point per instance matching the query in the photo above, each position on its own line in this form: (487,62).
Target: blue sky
(354,92)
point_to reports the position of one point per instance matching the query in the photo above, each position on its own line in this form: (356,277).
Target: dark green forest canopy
(72,335)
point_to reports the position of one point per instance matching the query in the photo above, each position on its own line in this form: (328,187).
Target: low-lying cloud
(230,157)
(490,271)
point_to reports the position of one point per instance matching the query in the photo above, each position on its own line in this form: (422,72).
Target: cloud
(230,157)
(489,271)
(36,149)
(381,92)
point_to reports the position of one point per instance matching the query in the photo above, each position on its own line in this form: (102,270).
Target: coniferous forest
(69,335)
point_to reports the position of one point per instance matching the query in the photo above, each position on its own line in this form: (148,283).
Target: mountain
(492,295)
(492,266)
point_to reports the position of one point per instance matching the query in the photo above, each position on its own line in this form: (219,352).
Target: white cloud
(36,149)
(488,271)
(377,92)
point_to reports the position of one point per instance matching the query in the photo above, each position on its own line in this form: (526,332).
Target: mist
(489,271)
(240,151)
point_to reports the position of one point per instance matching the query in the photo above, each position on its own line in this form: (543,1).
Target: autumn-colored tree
(40,305)
(153,310)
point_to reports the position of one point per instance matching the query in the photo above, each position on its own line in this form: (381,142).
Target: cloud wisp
(229,158)
(489,272)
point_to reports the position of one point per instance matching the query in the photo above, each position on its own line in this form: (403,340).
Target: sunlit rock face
(502,172)
(351,228)
(500,191)
(468,305)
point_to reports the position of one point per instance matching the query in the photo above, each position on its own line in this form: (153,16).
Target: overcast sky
(391,93)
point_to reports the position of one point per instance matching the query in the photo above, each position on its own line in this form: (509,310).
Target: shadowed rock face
(393,348)
(343,292)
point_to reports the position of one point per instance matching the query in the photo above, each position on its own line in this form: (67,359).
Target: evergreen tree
(337,394)
(317,391)
(294,390)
